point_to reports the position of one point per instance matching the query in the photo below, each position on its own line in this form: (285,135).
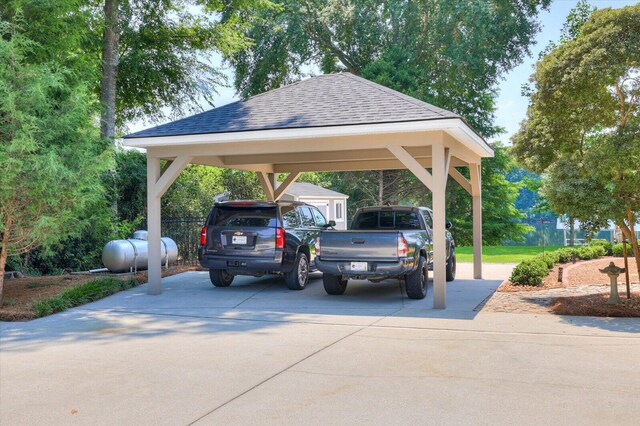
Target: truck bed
(373,245)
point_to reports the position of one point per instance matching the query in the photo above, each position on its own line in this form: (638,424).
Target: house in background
(332,204)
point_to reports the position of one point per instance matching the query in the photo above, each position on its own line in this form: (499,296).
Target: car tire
(416,282)
(333,284)
(299,276)
(451,267)
(220,277)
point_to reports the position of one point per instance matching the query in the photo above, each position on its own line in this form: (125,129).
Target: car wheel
(334,284)
(451,267)
(220,277)
(299,276)
(416,282)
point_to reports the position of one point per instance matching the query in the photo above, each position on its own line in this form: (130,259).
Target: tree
(583,124)
(52,158)
(449,53)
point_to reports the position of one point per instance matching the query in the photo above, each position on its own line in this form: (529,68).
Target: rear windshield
(245,217)
(386,219)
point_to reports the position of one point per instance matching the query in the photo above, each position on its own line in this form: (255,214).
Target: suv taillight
(403,248)
(317,247)
(280,240)
(203,236)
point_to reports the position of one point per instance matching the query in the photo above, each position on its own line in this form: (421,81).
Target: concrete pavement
(257,353)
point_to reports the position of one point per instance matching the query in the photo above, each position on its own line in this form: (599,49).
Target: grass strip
(89,291)
(503,254)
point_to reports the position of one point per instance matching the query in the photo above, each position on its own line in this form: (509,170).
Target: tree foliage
(51,156)
(583,124)
(450,53)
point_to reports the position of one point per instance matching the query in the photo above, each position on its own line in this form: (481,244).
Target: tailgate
(243,231)
(359,245)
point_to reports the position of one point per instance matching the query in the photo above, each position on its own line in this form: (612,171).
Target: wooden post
(153,226)
(157,185)
(476,188)
(439,172)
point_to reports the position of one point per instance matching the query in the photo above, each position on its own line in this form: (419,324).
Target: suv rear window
(386,219)
(243,216)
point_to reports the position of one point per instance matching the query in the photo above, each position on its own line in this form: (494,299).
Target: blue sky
(511,107)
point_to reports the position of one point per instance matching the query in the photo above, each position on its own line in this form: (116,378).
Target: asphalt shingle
(325,100)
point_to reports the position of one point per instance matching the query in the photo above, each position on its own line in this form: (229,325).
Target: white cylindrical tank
(133,254)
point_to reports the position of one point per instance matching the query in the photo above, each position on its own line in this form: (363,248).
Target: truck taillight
(280,240)
(203,236)
(317,248)
(403,248)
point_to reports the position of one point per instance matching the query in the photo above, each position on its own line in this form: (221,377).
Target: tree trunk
(4,253)
(380,187)
(632,238)
(572,231)
(111,39)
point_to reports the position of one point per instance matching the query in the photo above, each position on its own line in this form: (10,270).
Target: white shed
(332,204)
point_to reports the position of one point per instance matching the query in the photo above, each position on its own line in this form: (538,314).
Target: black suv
(261,237)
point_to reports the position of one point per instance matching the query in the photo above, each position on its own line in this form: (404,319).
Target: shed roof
(322,101)
(305,189)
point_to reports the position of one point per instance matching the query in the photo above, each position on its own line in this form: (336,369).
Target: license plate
(239,239)
(358,266)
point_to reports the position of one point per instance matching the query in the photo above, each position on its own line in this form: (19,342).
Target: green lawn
(502,254)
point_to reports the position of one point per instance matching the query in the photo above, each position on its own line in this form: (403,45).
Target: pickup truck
(383,242)
(261,237)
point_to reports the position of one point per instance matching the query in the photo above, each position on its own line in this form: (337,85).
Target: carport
(334,122)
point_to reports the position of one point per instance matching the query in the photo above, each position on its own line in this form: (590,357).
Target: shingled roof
(322,101)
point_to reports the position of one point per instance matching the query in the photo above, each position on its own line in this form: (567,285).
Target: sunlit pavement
(259,353)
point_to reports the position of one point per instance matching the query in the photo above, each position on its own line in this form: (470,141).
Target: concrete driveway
(257,353)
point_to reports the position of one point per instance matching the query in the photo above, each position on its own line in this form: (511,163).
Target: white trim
(454,126)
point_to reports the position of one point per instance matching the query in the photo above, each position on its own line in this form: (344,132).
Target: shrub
(586,253)
(566,254)
(608,247)
(84,293)
(617,250)
(599,251)
(529,272)
(549,258)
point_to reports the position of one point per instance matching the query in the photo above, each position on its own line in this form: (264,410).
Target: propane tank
(133,254)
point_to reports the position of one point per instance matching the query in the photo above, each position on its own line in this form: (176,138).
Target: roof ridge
(399,95)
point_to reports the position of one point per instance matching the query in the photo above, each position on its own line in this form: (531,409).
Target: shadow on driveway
(190,304)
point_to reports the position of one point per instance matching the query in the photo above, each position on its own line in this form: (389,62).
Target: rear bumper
(245,265)
(375,269)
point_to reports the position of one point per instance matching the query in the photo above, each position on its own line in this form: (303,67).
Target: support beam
(170,174)
(415,167)
(286,185)
(153,226)
(476,193)
(265,182)
(459,177)
(363,164)
(439,170)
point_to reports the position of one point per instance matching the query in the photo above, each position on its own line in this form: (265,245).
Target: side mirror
(330,224)
(448,224)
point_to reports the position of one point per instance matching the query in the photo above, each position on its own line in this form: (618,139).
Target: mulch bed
(587,290)
(595,305)
(20,293)
(580,273)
